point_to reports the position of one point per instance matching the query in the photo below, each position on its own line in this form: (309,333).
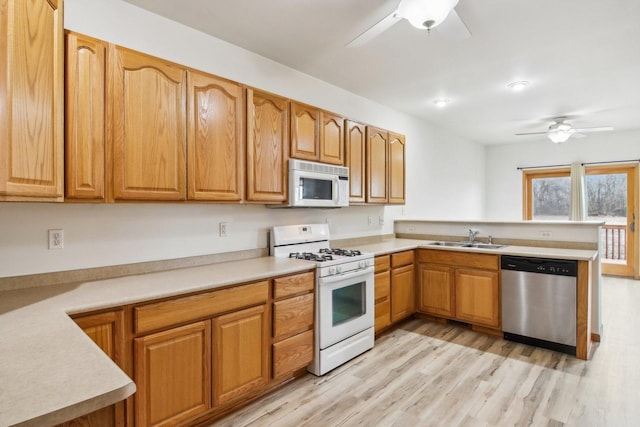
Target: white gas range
(344,293)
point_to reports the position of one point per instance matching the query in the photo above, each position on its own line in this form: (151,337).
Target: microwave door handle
(346,276)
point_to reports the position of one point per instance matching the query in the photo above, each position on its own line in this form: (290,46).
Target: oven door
(345,305)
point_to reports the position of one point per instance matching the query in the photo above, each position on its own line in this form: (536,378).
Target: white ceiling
(581,57)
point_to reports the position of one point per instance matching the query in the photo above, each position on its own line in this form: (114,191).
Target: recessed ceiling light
(518,86)
(442,102)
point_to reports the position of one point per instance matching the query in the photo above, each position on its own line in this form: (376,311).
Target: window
(547,194)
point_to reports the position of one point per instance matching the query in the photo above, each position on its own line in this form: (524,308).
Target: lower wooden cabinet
(172,374)
(240,364)
(106,330)
(394,288)
(460,286)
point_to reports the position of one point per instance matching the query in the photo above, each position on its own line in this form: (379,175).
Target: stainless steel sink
(467,245)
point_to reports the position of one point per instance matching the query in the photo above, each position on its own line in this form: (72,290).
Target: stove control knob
(339,269)
(332,271)
(361,264)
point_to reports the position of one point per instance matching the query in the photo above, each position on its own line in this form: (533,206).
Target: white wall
(504,180)
(439,166)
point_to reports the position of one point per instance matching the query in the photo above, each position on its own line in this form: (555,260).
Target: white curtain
(578,209)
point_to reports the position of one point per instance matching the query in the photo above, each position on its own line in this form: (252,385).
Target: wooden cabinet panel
(459,259)
(85,118)
(382,263)
(399,259)
(148,127)
(478,297)
(403,299)
(178,310)
(31,100)
(107,331)
(292,354)
(292,315)
(267,147)
(215,138)
(305,129)
(436,290)
(355,161)
(294,284)
(382,295)
(331,138)
(377,163)
(240,360)
(172,375)
(397,161)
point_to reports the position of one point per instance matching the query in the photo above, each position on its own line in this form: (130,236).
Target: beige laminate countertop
(51,371)
(397,245)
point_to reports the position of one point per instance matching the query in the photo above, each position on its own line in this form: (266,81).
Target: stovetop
(327,254)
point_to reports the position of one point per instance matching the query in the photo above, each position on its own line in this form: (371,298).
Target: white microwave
(317,185)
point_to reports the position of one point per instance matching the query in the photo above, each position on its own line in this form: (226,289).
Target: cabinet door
(377,162)
(292,316)
(397,162)
(172,374)
(215,142)
(436,290)
(267,147)
(403,296)
(84,124)
(478,297)
(292,354)
(355,161)
(31,100)
(106,330)
(148,124)
(240,354)
(382,294)
(305,126)
(331,138)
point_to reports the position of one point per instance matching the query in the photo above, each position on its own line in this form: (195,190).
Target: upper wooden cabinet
(385,166)
(31,100)
(331,138)
(316,135)
(215,138)
(267,147)
(305,130)
(397,161)
(148,127)
(377,165)
(355,160)
(84,124)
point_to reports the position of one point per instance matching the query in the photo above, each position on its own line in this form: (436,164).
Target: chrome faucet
(472,235)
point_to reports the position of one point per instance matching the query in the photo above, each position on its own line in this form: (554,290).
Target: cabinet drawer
(292,315)
(382,263)
(402,258)
(291,285)
(293,353)
(172,312)
(459,259)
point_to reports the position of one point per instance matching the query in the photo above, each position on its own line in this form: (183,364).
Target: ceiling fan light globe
(425,14)
(559,136)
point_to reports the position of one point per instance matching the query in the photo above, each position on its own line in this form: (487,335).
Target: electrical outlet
(56,239)
(381,220)
(369,220)
(546,234)
(224,230)
(411,229)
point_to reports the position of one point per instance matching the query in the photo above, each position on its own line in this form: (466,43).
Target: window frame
(527,186)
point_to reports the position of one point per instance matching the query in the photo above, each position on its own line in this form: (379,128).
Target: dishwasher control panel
(559,267)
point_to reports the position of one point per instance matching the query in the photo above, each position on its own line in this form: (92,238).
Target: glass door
(611,193)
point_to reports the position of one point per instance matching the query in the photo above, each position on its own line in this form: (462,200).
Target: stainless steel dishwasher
(539,302)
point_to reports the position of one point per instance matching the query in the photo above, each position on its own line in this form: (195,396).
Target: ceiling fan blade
(380,27)
(594,129)
(578,135)
(453,28)
(532,133)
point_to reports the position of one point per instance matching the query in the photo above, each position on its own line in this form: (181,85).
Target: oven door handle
(345,276)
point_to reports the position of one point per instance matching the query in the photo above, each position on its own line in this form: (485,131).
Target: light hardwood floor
(429,374)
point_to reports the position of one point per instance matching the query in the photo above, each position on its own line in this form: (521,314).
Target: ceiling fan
(560,131)
(422,14)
